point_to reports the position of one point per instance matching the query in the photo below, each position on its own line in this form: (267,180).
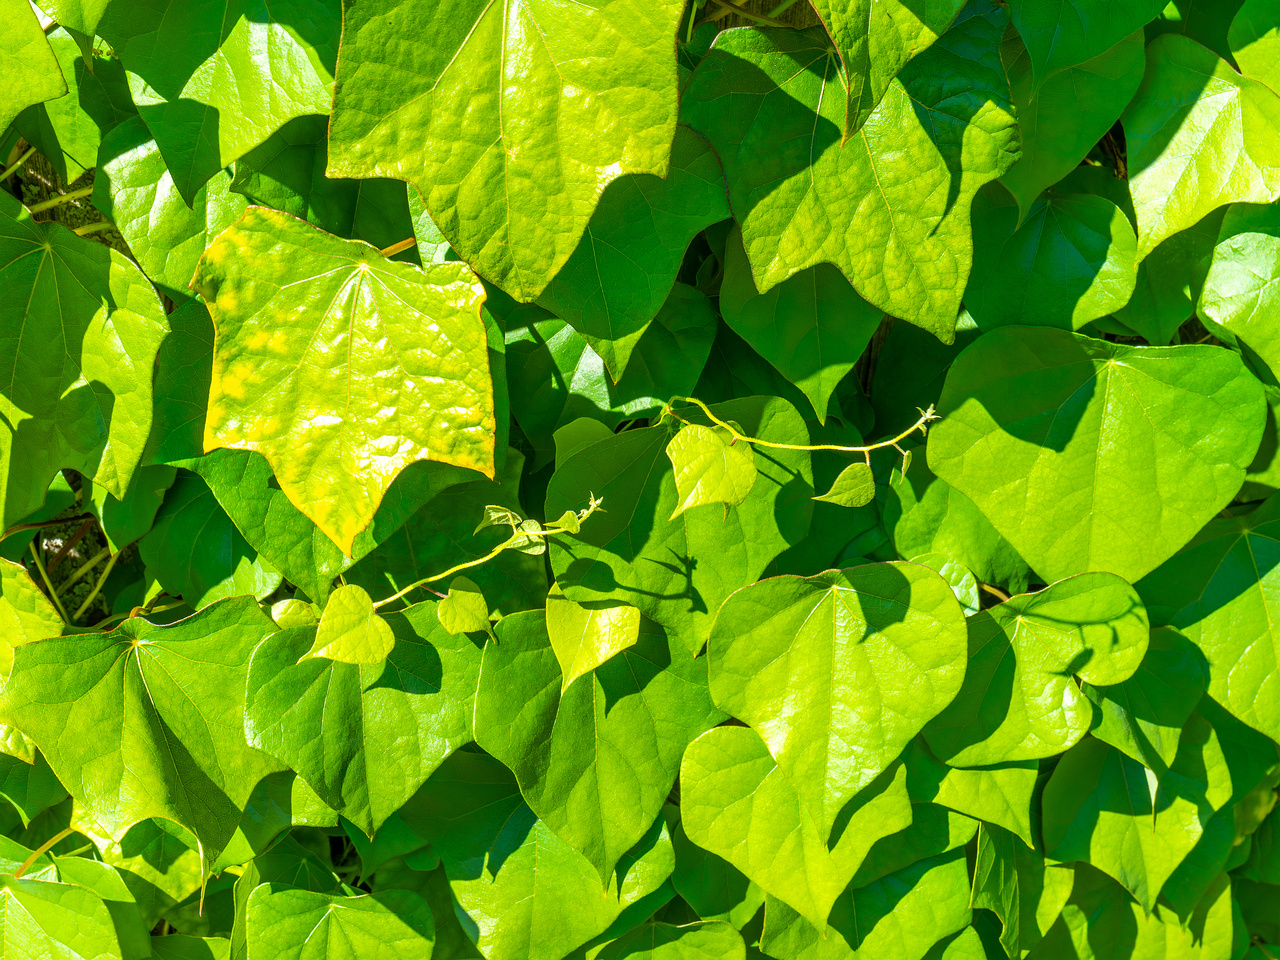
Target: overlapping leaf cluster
(640,479)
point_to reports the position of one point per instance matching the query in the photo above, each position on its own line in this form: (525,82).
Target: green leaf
(854,487)
(68,130)
(287,173)
(443,533)
(396,923)
(625,265)
(1065,113)
(284,359)
(710,466)
(125,520)
(90,326)
(1098,807)
(130,929)
(711,885)
(596,761)
(1000,794)
(158,861)
(1239,294)
(1254,37)
(1198,135)
(812,326)
(1014,882)
(512,876)
(1063,33)
(873,652)
(1216,593)
(30,786)
(44,919)
(464,609)
(1143,716)
(662,941)
(364,737)
(197,553)
(1020,700)
(875,39)
(145,721)
(737,803)
(632,553)
(135,190)
(961,580)
(350,630)
(177,946)
(1071,260)
(556,377)
(512,198)
(902,915)
(895,221)
(583,638)
(212,82)
(25,613)
(27,62)
(1041,429)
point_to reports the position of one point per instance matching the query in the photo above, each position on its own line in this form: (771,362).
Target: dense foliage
(640,479)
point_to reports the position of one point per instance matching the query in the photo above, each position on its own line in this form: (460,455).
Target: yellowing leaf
(710,467)
(350,629)
(585,637)
(342,367)
(509,118)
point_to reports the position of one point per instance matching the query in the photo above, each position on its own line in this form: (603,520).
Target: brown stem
(68,545)
(42,524)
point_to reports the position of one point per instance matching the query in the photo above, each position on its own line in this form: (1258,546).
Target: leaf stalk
(17,164)
(102,579)
(60,199)
(53,594)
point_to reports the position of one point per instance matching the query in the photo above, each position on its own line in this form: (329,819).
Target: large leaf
(25,612)
(46,919)
(1098,807)
(812,326)
(166,233)
(512,876)
(1042,430)
(874,653)
(308,329)
(891,207)
(1063,115)
(146,721)
(875,39)
(901,915)
(1020,700)
(204,81)
(78,370)
(1063,33)
(617,278)
(365,737)
(1071,260)
(737,803)
(27,62)
(1218,592)
(596,762)
(1198,135)
(1254,37)
(1239,293)
(512,197)
(196,552)
(678,571)
(289,924)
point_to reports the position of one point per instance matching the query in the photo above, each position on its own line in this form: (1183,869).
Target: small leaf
(294,613)
(465,609)
(710,467)
(585,637)
(854,487)
(350,630)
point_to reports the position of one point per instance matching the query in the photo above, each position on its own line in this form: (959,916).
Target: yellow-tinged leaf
(464,610)
(710,467)
(585,637)
(340,366)
(350,629)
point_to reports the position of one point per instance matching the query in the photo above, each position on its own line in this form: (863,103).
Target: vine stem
(42,524)
(783,7)
(42,850)
(395,248)
(59,200)
(17,164)
(926,417)
(743,12)
(102,579)
(86,567)
(53,594)
(88,228)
